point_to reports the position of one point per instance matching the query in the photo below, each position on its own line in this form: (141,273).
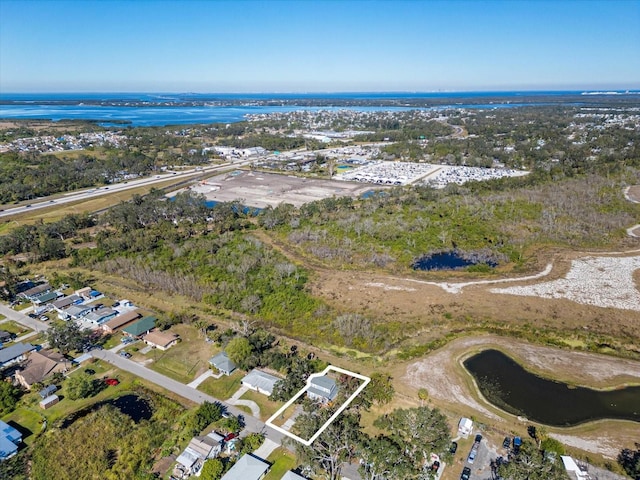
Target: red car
(231,436)
(112,382)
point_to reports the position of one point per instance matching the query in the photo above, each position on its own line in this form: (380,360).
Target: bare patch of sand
(599,281)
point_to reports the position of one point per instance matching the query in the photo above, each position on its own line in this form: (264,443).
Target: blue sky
(313,46)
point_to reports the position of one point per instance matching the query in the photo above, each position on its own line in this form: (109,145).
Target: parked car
(466,473)
(435,466)
(125,354)
(111,381)
(472,455)
(33,315)
(230,436)
(506,442)
(517,442)
(478,438)
(453,448)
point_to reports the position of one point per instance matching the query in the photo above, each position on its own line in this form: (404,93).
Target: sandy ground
(447,382)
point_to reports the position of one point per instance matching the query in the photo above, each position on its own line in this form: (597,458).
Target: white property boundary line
(269,422)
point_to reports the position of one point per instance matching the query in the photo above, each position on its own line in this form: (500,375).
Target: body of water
(448,261)
(182,109)
(509,386)
(134,406)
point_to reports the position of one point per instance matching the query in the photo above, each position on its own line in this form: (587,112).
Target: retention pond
(509,386)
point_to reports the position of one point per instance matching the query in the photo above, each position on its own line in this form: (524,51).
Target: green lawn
(282,460)
(13,327)
(223,387)
(28,420)
(184,361)
(267,407)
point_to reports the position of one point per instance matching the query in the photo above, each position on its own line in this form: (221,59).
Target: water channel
(506,384)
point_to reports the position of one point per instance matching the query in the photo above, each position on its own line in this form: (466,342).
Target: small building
(260,381)
(223,363)
(33,292)
(141,327)
(76,312)
(10,438)
(322,388)
(574,471)
(45,298)
(84,293)
(465,427)
(46,391)
(100,316)
(161,340)
(199,449)
(289,475)
(120,321)
(247,467)
(5,336)
(49,402)
(65,302)
(39,365)
(14,354)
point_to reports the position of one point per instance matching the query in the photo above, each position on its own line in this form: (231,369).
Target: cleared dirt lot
(258,189)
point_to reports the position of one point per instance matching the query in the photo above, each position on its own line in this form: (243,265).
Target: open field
(259,189)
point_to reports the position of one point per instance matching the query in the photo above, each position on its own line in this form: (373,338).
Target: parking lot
(481,466)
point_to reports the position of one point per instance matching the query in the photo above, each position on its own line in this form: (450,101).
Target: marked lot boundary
(365,382)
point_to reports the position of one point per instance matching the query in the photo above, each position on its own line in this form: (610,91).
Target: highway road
(47,202)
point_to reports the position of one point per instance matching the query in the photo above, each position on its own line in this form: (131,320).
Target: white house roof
(260,380)
(292,476)
(247,467)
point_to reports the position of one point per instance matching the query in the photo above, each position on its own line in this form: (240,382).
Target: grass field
(281,461)
(13,327)
(267,407)
(184,361)
(223,387)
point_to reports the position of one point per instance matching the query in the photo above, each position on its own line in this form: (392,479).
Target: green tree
(238,349)
(630,460)
(382,459)
(67,336)
(80,385)
(380,389)
(420,431)
(212,469)
(251,442)
(530,464)
(9,396)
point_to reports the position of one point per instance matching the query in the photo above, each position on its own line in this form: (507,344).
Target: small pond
(509,386)
(131,405)
(449,261)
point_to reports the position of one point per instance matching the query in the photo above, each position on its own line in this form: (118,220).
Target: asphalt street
(23,319)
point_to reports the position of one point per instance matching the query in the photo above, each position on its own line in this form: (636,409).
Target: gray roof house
(14,354)
(64,302)
(199,449)
(98,317)
(323,389)
(223,363)
(260,381)
(247,467)
(76,312)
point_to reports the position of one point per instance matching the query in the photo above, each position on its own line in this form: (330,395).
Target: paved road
(86,194)
(23,319)
(251,423)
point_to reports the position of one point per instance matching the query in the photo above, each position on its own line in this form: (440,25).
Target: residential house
(76,312)
(10,438)
(5,336)
(199,449)
(260,381)
(100,316)
(465,427)
(49,402)
(289,475)
(33,292)
(39,365)
(45,298)
(64,302)
(223,363)
(161,340)
(247,467)
(141,327)
(14,354)
(574,471)
(120,321)
(322,389)
(84,293)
